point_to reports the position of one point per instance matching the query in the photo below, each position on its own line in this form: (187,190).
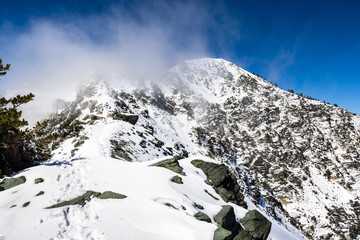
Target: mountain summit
(295,159)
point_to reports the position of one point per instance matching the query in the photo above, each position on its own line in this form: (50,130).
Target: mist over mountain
(295,160)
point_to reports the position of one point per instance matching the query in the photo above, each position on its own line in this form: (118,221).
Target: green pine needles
(13,139)
(10,118)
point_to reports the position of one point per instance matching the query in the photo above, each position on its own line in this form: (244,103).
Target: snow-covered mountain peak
(295,158)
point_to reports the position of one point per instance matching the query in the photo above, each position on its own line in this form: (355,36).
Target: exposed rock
(39,180)
(81,200)
(226,218)
(202,217)
(171,164)
(255,225)
(212,195)
(243,235)
(130,118)
(198,206)
(177,179)
(118,150)
(222,234)
(171,206)
(11,182)
(110,194)
(40,193)
(86,197)
(12,206)
(223,181)
(26,204)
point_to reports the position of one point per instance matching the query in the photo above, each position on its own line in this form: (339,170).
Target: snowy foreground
(142,215)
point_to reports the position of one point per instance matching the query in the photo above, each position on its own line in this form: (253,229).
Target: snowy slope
(142,215)
(296,159)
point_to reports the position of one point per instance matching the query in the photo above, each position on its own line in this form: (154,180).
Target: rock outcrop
(256,227)
(11,182)
(223,181)
(86,197)
(172,164)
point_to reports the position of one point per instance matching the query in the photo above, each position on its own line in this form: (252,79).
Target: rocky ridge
(294,157)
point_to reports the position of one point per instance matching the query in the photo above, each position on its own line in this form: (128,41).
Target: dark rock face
(176,179)
(223,181)
(86,197)
(171,164)
(256,226)
(226,218)
(130,118)
(202,217)
(11,182)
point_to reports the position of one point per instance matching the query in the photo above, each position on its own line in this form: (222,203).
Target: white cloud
(52,56)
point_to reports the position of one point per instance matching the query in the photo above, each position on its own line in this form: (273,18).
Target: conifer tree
(12,152)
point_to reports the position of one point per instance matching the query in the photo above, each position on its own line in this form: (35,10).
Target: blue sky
(312,47)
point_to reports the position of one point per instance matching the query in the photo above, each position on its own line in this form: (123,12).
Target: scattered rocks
(223,181)
(171,164)
(26,204)
(39,180)
(202,217)
(12,206)
(11,182)
(176,179)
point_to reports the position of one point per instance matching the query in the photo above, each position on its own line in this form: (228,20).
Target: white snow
(142,215)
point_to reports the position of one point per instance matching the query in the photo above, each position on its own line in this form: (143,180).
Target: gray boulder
(171,164)
(202,217)
(222,234)
(255,225)
(11,182)
(176,179)
(223,181)
(226,218)
(110,194)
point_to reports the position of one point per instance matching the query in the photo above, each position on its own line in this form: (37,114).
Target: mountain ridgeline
(297,158)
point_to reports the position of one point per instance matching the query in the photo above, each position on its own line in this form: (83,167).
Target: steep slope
(296,158)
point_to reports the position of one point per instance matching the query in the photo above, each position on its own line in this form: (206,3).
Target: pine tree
(10,118)
(12,137)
